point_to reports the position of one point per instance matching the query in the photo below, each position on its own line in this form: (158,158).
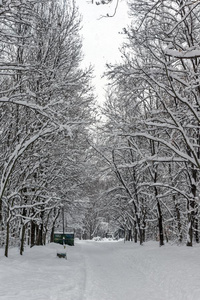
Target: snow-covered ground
(102,271)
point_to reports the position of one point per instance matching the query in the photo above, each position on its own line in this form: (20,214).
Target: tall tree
(46,101)
(158,84)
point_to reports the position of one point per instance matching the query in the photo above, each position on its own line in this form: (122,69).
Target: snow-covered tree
(45,100)
(156,105)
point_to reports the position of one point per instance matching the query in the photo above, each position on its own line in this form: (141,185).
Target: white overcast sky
(101,38)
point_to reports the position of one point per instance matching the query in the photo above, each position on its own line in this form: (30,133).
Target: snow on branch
(196,3)
(168,145)
(182,54)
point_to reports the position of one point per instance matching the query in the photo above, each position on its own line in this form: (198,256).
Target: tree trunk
(194,205)
(143,231)
(46,228)
(39,235)
(196,227)
(166,235)
(189,235)
(130,238)
(1,216)
(160,219)
(22,235)
(56,215)
(52,234)
(159,211)
(178,218)
(32,233)
(44,238)
(160,224)
(28,235)
(190,223)
(135,233)
(7,237)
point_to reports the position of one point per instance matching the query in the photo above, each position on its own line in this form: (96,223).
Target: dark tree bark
(160,224)
(52,234)
(23,230)
(7,238)
(33,228)
(178,219)
(129,237)
(39,235)
(135,232)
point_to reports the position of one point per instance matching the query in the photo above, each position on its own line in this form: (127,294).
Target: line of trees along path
(152,128)
(138,170)
(45,110)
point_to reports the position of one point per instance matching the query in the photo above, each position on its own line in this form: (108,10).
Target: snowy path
(113,275)
(128,272)
(102,271)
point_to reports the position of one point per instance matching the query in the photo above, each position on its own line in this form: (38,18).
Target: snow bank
(102,271)
(40,275)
